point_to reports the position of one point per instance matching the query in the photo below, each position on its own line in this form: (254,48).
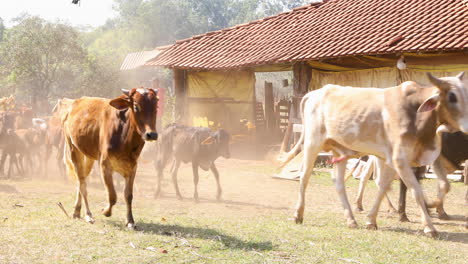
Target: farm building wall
(220,99)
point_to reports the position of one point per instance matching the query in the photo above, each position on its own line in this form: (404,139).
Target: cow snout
(150,136)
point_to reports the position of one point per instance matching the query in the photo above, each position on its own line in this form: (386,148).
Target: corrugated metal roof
(332,29)
(137,59)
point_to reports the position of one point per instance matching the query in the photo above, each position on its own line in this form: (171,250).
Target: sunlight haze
(88,13)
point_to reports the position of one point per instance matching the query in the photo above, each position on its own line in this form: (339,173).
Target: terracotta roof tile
(327,30)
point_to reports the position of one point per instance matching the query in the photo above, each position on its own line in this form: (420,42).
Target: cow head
(143,105)
(221,139)
(451,100)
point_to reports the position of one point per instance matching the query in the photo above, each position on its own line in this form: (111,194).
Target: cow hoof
(131,226)
(431,233)
(298,220)
(404,218)
(444,216)
(89,219)
(106,212)
(359,209)
(76,216)
(352,224)
(371,227)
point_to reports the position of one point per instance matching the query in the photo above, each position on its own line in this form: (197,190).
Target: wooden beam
(180,90)
(269,106)
(302,73)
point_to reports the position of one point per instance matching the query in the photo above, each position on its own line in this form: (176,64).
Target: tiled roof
(331,29)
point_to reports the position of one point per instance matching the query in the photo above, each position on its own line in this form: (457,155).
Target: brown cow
(54,135)
(114,133)
(396,124)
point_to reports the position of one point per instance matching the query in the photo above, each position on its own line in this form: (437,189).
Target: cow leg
(310,154)
(339,170)
(160,164)
(84,195)
(195,180)
(377,178)
(77,211)
(12,162)
(216,175)
(385,178)
(19,166)
(391,208)
(175,168)
(365,176)
(78,166)
(2,162)
(59,157)
(128,195)
(442,190)
(403,168)
(47,153)
(160,173)
(402,202)
(106,174)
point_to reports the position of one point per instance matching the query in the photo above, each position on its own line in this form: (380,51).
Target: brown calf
(114,133)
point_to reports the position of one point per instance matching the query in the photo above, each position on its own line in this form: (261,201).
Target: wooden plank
(269,106)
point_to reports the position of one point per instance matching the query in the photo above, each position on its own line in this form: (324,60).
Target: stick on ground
(63,209)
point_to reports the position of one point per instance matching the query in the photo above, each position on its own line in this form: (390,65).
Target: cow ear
(430,104)
(119,103)
(210,140)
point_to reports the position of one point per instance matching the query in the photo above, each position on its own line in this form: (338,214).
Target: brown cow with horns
(114,133)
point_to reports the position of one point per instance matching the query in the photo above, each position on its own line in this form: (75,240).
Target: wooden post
(180,90)
(302,73)
(269,106)
(465,173)
(287,138)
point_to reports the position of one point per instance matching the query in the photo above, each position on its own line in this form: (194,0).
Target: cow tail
(284,159)
(353,169)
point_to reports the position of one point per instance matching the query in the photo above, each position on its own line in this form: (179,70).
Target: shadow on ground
(445,236)
(200,233)
(8,188)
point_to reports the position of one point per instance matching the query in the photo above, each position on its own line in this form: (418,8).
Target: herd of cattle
(400,126)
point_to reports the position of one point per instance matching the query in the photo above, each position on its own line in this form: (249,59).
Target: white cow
(396,124)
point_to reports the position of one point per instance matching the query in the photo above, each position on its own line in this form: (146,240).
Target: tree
(2,29)
(36,53)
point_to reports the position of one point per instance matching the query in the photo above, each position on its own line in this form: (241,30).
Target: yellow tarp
(233,90)
(380,77)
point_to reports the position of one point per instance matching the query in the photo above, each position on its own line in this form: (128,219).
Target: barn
(368,43)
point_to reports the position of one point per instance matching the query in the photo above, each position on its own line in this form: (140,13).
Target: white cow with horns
(400,125)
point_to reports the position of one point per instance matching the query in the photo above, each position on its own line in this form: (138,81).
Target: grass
(251,225)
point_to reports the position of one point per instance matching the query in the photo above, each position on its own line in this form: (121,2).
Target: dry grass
(251,225)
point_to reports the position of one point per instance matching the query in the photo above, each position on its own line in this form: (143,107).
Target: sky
(88,13)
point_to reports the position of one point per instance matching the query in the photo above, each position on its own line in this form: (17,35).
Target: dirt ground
(248,191)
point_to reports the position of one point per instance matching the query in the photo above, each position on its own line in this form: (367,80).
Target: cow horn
(443,129)
(461,75)
(441,84)
(126,92)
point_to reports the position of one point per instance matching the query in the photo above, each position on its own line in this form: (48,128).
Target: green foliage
(2,29)
(48,60)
